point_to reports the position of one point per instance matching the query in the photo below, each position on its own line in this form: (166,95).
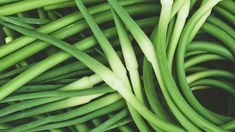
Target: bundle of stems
(117,65)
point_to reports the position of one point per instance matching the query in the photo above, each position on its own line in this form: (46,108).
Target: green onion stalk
(115,65)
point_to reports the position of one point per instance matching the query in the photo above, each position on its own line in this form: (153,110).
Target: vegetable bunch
(117,65)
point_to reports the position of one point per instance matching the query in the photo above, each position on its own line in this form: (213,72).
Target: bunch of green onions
(117,65)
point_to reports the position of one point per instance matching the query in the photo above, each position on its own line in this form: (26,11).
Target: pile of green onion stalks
(117,65)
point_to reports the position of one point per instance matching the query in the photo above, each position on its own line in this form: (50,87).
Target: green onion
(117,65)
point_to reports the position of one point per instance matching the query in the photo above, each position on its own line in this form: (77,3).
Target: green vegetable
(117,65)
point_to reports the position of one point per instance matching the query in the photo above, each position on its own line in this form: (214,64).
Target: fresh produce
(117,65)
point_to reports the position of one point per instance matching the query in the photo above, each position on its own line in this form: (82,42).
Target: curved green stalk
(107,75)
(58,24)
(148,49)
(180,21)
(214,83)
(111,121)
(166,75)
(87,108)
